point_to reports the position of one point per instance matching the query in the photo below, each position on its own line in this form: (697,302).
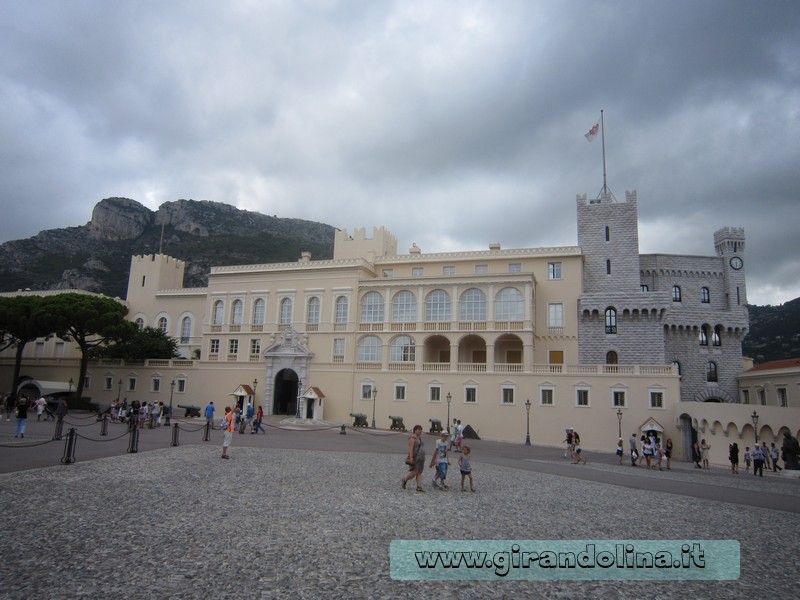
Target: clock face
(737,262)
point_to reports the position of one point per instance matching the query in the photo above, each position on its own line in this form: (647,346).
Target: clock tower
(729,244)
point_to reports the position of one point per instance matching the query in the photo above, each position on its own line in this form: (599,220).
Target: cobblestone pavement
(178,522)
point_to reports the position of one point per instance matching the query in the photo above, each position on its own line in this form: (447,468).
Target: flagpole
(605,192)
(603,139)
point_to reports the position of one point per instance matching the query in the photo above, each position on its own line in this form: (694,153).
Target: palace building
(513,342)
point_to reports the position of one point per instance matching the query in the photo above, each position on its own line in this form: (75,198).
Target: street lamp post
(374,395)
(447,424)
(255,386)
(754,417)
(71,383)
(619,422)
(171,392)
(528,422)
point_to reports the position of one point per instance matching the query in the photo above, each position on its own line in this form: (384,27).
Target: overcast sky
(454,124)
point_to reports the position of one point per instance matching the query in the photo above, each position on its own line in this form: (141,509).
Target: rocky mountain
(774,332)
(96,256)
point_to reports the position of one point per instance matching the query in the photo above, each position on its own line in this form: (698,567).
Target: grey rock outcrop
(119,219)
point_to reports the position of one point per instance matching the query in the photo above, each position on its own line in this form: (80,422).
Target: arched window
(711,371)
(473,305)
(163,324)
(608,267)
(258,311)
(372,308)
(705,296)
(341,310)
(402,349)
(312,314)
(237,311)
(704,335)
(437,306)
(716,336)
(644,287)
(611,358)
(509,305)
(677,366)
(218,312)
(611,320)
(404,307)
(369,349)
(676,293)
(608,234)
(140,323)
(286,311)
(186,330)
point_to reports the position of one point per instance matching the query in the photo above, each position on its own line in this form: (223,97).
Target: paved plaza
(305,512)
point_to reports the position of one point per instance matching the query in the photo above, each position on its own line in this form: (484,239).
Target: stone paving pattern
(178,522)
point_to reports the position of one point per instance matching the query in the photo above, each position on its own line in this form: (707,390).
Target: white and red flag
(593,132)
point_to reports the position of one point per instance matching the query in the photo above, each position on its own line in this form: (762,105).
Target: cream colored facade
(468,335)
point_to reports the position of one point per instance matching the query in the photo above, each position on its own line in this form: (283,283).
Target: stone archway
(285,392)
(287,368)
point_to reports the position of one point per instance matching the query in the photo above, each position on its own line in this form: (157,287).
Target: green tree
(145,343)
(22,320)
(89,321)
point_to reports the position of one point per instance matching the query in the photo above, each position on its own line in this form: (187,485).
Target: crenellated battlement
(358,245)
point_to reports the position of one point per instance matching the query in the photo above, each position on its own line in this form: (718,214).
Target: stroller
(49,415)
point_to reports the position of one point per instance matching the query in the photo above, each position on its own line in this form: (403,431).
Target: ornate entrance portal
(288,359)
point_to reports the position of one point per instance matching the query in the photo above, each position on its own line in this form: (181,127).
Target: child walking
(441,461)
(466,468)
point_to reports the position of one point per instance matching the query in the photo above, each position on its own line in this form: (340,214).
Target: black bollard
(133,443)
(104,426)
(69,447)
(174,435)
(59,427)
(343,431)
(207,434)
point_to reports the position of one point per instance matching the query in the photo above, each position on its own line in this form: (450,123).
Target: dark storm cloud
(453,124)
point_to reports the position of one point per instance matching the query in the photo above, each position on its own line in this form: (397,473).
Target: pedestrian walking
(747,459)
(465,466)
(696,456)
(704,448)
(619,451)
(758,461)
(765,453)
(22,417)
(668,453)
(440,461)
(210,412)
(733,456)
(257,423)
(228,425)
(40,405)
(415,459)
(775,457)
(634,451)
(576,453)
